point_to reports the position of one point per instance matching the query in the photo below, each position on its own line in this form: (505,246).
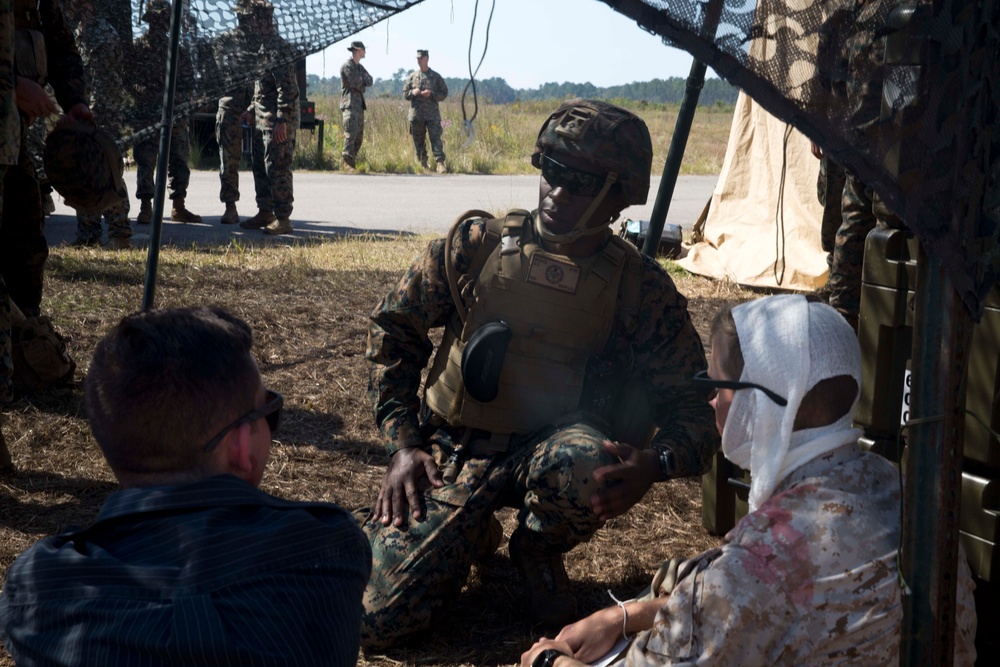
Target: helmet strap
(580,228)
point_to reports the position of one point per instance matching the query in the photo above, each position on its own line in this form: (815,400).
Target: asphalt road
(330,204)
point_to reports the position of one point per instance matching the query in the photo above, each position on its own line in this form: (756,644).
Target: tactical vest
(561,312)
(30,59)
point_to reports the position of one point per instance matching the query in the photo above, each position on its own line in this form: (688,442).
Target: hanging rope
(779,213)
(467,126)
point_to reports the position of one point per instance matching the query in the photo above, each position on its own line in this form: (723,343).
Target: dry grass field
(308,307)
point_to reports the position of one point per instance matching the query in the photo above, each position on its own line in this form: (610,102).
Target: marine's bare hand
(32,99)
(623,484)
(401,485)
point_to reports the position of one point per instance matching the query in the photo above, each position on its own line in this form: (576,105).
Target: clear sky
(531,42)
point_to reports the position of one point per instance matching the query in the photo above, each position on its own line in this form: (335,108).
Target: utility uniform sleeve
(412,83)
(398,343)
(439,88)
(668,353)
(366,78)
(287,94)
(65,67)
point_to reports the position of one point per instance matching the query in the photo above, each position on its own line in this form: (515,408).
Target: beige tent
(761,227)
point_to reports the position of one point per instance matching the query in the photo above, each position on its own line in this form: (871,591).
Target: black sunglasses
(271,410)
(574,181)
(702,380)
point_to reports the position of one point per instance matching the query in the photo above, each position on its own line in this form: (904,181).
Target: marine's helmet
(156,9)
(253,7)
(84,165)
(615,141)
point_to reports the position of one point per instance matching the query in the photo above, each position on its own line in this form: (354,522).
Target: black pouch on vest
(482,360)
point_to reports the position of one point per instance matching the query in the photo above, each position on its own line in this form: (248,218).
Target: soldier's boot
(231,216)
(490,544)
(180,214)
(423,162)
(279,226)
(550,601)
(118,243)
(145,211)
(259,221)
(442,168)
(349,164)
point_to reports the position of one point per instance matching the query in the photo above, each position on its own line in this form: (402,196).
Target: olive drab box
(41,359)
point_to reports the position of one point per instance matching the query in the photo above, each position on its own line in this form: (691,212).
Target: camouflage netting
(910,106)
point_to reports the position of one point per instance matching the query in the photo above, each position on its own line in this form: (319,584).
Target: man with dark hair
(190,563)
(564,349)
(354,78)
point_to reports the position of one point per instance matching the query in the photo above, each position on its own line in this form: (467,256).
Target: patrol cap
(253,7)
(355,46)
(155,9)
(609,137)
(85,166)
(422,53)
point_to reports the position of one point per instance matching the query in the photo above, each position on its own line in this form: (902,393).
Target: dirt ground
(308,307)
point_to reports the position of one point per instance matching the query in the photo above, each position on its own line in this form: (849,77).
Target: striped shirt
(215,572)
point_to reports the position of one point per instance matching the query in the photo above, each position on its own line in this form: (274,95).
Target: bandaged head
(789,345)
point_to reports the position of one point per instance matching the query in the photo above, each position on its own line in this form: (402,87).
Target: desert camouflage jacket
(659,343)
(425,108)
(354,78)
(810,578)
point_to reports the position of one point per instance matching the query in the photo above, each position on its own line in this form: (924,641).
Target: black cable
(472,74)
(779,212)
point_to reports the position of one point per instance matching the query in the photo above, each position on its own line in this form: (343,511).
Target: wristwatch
(667,464)
(547,658)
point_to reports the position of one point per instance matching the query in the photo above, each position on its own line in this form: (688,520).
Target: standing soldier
(424,88)
(147,85)
(101,51)
(354,78)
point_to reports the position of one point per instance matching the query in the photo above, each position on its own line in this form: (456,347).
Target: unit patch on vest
(550,272)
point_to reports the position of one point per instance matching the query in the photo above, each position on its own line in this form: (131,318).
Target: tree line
(498,91)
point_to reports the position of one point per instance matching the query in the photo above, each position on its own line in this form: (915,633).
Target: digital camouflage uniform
(829,192)
(101,51)
(275,100)
(229,135)
(425,116)
(546,475)
(23,248)
(354,78)
(150,54)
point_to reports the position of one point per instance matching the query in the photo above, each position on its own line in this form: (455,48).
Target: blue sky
(531,42)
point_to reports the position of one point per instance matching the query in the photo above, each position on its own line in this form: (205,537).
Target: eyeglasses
(702,380)
(271,410)
(574,181)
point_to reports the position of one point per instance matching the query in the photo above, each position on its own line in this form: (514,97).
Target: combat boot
(145,211)
(442,168)
(550,601)
(279,226)
(118,243)
(259,221)
(231,216)
(180,214)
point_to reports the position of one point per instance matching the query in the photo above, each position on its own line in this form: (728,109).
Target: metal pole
(941,339)
(166,125)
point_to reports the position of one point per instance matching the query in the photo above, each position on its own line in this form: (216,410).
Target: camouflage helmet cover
(253,7)
(609,137)
(156,9)
(84,165)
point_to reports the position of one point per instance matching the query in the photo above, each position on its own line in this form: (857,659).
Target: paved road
(329,204)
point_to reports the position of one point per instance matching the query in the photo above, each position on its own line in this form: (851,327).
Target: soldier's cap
(253,7)
(155,8)
(85,166)
(355,46)
(609,137)
(422,53)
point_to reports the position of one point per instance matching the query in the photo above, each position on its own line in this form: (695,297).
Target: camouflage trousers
(229,135)
(23,248)
(830,193)
(432,127)
(862,211)
(88,225)
(272,172)
(145,154)
(354,133)
(417,569)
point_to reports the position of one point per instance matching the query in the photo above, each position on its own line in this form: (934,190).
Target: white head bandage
(788,345)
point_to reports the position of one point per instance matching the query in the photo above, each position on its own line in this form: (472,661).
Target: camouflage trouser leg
(229,135)
(117,218)
(849,251)
(354,134)
(88,227)
(418,569)
(434,131)
(418,130)
(144,153)
(278,168)
(23,248)
(261,181)
(830,191)
(177,164)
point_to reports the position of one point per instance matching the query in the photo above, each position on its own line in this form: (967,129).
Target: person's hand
(400,486)
(816,151)
(80,112)
(425,93)
(542,644)
(622,485)
(280,133)
(593,637)
(32,99)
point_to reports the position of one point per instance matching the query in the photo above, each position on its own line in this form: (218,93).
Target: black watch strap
(668,465)
(547,658)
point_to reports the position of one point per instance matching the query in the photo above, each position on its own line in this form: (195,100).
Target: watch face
(546,658)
